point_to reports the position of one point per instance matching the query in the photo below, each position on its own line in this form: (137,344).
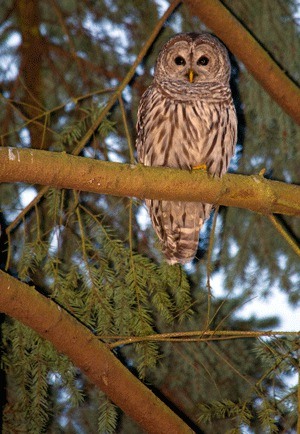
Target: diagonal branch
(89,354)
(58,169)
(258,62)
(288,238)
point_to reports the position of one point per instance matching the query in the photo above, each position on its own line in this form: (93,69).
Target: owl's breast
(174,135)
(184,134)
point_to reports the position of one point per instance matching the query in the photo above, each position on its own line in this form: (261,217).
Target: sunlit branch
(61,170)
(93,357)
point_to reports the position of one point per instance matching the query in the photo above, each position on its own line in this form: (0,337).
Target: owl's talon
(200,167)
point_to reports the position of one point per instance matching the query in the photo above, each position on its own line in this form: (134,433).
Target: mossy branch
(92,356)
(62,170)
(247,49)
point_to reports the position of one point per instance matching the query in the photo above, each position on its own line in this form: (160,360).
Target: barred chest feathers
(185,134)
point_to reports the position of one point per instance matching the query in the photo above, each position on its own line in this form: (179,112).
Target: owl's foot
(200,167)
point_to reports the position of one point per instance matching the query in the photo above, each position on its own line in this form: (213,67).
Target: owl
(186,120)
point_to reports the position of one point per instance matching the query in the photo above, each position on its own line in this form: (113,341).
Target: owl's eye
(203,60)
(179,60)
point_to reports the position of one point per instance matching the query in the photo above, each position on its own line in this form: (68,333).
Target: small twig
(20,216)
(210,249)
(285,235)
(127,134)
(208,263)
(14,104)
(194,336)
(228,362)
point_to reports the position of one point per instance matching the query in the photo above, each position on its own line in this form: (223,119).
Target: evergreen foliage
(97,256)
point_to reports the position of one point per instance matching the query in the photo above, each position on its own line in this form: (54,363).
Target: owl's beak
(191,76)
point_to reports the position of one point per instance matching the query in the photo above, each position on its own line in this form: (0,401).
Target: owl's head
(193,58)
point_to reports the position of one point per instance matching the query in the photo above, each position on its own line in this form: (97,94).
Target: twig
(210,249)
(292,243)
(127,134)
(208,263)
(194,336)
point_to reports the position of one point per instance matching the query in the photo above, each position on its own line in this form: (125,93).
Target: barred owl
(186,119)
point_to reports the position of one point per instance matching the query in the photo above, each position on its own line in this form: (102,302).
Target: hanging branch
(92,356)
(61,170)
(247,49)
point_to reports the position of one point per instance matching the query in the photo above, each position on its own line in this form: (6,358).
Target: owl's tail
(177,225)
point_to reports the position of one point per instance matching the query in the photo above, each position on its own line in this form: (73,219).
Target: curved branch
(58,169)
(258,62)
(89,354)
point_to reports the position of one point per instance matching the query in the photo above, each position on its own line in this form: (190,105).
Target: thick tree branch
(89,354)
(258,62)
(66,171)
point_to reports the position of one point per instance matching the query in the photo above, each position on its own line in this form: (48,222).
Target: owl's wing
(142,111)
(221,140)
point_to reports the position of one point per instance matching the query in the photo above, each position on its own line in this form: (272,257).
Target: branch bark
(258,62)
(62,170)
(89,354)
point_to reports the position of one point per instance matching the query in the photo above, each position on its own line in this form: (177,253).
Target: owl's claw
(200,167)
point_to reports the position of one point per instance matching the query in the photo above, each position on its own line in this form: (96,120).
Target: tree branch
(258,62)
(89,354)
(62,170)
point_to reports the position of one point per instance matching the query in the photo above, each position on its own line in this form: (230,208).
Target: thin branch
(126,128)
(93,357)
(18,105)
(228,362)
(292,243)
(209,265)
(194,336)
(65,30)
(258,62)
(23,213)
(61,170)
(210,250)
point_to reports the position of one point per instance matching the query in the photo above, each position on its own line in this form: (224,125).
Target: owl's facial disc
(193,58)
(189,62)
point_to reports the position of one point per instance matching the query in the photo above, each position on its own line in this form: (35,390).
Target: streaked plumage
(186,118)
